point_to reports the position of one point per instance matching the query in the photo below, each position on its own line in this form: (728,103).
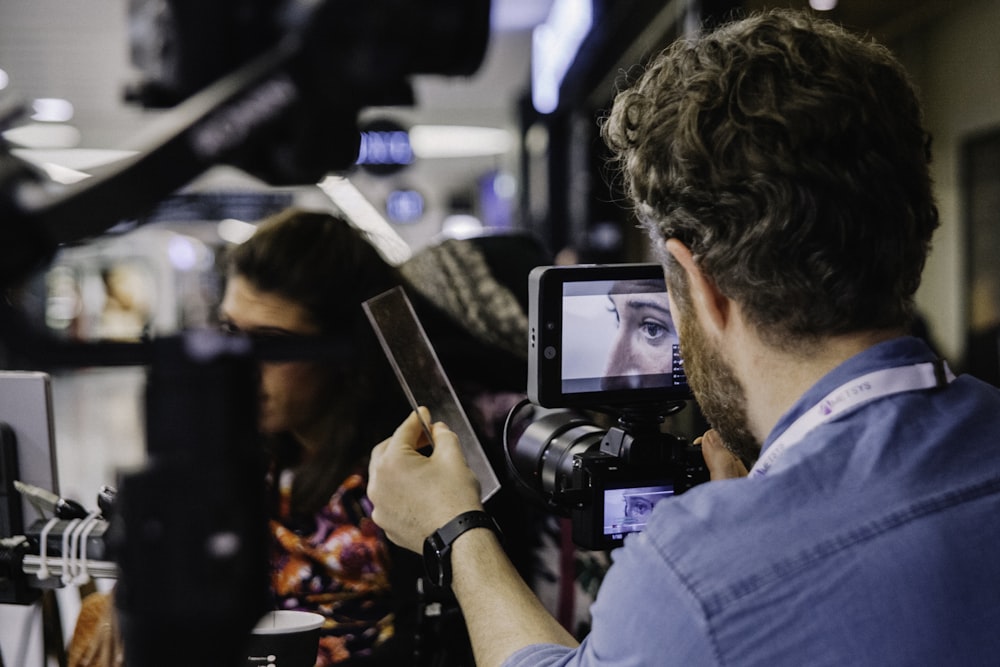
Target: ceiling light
(75,158)
(385,148)
(404,206)
(461,226)
(455,141)
(43,135)
(517,14)
(554,45)
(235,231)
(63,175)
(69,165)
(52,110)
(822,5)
(186,253)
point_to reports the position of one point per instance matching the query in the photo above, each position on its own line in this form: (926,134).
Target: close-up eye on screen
(618,334)
(626,510)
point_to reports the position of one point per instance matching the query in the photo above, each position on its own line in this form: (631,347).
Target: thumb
(410,433)
(446,444)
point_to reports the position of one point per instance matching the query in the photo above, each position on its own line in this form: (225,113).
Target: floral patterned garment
(337,567)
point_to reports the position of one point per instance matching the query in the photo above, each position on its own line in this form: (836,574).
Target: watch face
(434,560)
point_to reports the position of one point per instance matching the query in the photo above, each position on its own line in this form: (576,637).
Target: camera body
(616,497)
(602,339)
(354,53)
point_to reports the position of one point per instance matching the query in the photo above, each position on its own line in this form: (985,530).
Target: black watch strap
(437,547)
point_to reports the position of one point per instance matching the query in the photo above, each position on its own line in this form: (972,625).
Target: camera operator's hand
(722,463)
(413,494)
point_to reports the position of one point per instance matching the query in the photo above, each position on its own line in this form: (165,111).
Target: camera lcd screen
(618,335)
(627,510)
(602,335)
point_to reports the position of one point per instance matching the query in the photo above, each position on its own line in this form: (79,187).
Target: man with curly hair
(781,166)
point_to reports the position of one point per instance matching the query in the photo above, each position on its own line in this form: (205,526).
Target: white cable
(83,574)
(66,556)
(43,547)
(69,576)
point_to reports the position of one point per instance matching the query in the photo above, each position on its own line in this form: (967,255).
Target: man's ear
(715,307)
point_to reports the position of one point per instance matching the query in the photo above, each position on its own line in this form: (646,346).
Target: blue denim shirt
(874,541)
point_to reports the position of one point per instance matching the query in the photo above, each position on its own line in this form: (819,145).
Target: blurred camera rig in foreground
(272,87)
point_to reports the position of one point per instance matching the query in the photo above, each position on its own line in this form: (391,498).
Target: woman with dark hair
(303,277)
(305,274)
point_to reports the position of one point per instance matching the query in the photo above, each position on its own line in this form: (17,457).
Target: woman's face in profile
(646,333)
(293,393)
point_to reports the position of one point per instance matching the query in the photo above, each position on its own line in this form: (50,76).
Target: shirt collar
(895,352)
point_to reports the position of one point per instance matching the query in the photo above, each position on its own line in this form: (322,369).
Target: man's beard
(719,393)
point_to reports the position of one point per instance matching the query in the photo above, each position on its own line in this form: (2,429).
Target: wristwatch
(437,547)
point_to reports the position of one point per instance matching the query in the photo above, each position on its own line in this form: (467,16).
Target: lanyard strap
(852,395)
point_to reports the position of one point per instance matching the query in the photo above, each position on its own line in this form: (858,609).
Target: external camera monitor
(27,448)
(602,335)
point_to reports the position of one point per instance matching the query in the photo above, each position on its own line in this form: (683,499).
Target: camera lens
(543,454)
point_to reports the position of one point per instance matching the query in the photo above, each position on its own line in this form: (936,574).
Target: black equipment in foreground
(272,87)
(275,88)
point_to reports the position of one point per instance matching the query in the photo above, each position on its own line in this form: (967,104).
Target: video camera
(272,87)
(348,53)
(601,338)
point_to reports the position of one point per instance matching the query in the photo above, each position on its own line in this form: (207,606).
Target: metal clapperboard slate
(424,382)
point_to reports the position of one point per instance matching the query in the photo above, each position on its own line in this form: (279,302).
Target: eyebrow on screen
(637,302)
(637,286)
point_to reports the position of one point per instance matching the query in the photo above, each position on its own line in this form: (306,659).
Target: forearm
(415,495)
(502,614)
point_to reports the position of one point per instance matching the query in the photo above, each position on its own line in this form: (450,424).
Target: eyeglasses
(278,344)
(261,333)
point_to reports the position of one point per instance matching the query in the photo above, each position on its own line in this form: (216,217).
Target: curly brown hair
(790,156)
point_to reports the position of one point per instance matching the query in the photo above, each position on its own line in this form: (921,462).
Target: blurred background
(512,148)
